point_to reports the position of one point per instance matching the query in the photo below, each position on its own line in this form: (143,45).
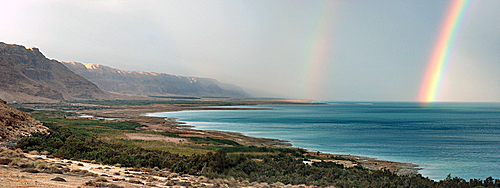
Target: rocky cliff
(26,74)
(15,124)
(150,83)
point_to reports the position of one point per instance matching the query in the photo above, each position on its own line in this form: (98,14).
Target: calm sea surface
(461,139)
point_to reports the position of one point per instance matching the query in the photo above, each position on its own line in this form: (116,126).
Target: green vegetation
(25,110)
(200,140)
(252,149)
(148,102)
(215,141)
(173,97)
(101,141)
(62,106)
(49,114)
(342,158)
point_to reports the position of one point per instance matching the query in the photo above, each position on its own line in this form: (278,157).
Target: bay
(461,139)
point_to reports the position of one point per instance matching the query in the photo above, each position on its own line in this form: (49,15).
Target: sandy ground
(86,174)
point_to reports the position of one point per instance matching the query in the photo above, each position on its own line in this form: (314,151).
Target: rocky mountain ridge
(151,83)
(26,74)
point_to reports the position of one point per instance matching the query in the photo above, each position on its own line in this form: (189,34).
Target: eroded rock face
(25,72)
(15,124)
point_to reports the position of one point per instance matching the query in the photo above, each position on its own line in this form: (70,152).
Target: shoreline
(372,163)
(169,124)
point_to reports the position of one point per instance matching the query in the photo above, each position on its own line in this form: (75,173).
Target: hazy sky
(348,50)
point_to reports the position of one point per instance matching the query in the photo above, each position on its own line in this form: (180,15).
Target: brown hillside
(15,124)
(25,73)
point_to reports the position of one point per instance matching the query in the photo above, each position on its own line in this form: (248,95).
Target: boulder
(58,179)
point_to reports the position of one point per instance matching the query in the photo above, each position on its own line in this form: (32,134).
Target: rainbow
(442,51)
(316,53)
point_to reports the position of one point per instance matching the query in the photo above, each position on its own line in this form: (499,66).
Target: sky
(341,50)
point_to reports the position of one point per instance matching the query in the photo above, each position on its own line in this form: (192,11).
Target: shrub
(41,166)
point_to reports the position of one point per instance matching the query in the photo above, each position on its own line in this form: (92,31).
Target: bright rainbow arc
(442,51)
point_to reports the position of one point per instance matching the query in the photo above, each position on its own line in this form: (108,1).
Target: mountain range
(27,75)
(153,84)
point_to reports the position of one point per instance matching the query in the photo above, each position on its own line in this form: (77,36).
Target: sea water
(461,139)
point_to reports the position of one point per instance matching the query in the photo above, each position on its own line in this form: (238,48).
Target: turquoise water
(461,139)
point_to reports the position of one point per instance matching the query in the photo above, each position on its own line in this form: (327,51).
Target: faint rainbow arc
(442,51)
(316,51)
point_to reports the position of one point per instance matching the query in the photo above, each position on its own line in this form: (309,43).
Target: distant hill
(26,74)
(152,84)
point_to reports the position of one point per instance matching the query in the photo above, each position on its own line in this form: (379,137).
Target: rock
(101,179)
(53,170)
(45,153)
(278,184)
(115,186)
(19,150)
(34,152)
(135,181)
(169,183)
(183,183)
(30,170)
(58,179)
(4,161)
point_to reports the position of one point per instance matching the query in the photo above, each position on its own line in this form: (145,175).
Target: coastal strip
(171,125)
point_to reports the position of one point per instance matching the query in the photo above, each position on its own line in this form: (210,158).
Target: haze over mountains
(27,75)
(151,83)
